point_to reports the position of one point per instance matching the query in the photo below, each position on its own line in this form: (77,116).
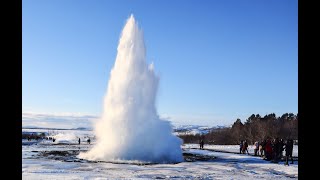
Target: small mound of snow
(66,138)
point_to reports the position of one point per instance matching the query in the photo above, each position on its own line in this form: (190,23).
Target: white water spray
(130,128)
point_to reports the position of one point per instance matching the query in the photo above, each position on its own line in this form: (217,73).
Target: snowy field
(223,166)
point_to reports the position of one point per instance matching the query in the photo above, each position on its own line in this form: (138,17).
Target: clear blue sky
(217,60)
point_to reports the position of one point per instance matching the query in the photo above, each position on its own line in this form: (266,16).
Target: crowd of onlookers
(271,149)
(29,137)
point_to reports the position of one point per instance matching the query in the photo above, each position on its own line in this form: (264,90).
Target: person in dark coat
(276,149)
(245,147)
(88,141)
(201,144)
(268,150)
(79,140)
(241,146)
(289,149)
(281,146)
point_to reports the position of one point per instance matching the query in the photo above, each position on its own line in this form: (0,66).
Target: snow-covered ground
(224,166)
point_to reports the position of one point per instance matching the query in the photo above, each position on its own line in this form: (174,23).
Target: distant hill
(31,127)
(83,128)
(178,129)
(194,129)
(79,128)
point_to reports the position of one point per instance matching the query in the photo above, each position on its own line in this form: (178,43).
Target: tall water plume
(130,128)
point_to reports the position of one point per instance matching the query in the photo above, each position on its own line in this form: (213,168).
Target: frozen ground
(223,166)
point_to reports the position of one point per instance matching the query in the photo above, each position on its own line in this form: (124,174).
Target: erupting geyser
(130,128)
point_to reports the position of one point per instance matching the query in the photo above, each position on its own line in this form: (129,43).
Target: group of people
(33,136)
(88,141)
(244,147)
(271,149)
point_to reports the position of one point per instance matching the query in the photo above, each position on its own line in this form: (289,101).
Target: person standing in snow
(245,147)
(79,141)
(268,150)
(275,149)
(289,149)
(261,150)
(201,144)
(241,146)
(281,146)
(256,148)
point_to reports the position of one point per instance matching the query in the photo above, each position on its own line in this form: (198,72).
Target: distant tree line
(255,128)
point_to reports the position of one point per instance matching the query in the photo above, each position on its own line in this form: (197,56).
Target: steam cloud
(130,128)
